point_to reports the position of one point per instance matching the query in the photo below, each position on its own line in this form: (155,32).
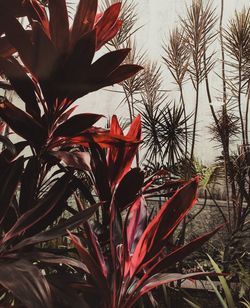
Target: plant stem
(223,54)
(185,116)
(225,147)
(137,157)
(239,102)
(247,113)
(197,89)
(219,208)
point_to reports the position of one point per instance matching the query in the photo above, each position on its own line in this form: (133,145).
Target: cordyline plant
(138,254)
(57,68)
(130,254)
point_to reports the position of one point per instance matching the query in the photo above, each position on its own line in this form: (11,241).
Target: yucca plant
(177,57)
(198,34)
(165,132)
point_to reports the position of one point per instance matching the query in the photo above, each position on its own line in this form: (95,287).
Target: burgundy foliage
(120,254)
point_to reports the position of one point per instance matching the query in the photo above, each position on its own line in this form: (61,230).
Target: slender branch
(185,116)
(197,89)
(247,113)
(239,100)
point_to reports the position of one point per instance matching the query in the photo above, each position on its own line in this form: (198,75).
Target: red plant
(57,68)
(138,257)
(129,255)
(24,219)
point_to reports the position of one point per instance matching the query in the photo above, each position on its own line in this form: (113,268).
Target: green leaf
(220,298)
(224,284)
(191,303)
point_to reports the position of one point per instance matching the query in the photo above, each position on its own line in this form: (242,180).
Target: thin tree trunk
(247,113)
(225,148)
(195,117)
(185,116)
(239,103)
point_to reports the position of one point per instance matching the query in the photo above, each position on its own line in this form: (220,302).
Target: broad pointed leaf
(26,283)
(22,84)
(105,65)
(41,210)
(9,181)
(22,123)
(77,124)
(164,223)
(84,19)
(129,188)
(18,38)
(106,23)
(92,266)
(122,73)
(60,229)
(59,24)
(29,185)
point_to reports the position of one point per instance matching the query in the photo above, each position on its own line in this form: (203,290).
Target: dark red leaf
(36,12)
(22,84)
(115,127)
(59,24)
(22,123)
(122,73)
(14,7)
(180,253)
(60,229)
(105,65)
(9,181)
(106,23)
(77,160)
(43,209)
(29,185)
(77,124)
(84,19)
(6,156)
(26,283)
(46,59)
(72,80)
(51,258)
(10,216)
(6,49)
(164,223)
(136,222)
(161,279)
(106,37)
(100,172)
(115,232)
(18,38)
(120,157)
(129,188)
(104,139)
(135,129)
(96,249)
(92,266)
(66,115)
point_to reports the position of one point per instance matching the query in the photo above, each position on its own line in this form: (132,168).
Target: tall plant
(198,30)
(129,254)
